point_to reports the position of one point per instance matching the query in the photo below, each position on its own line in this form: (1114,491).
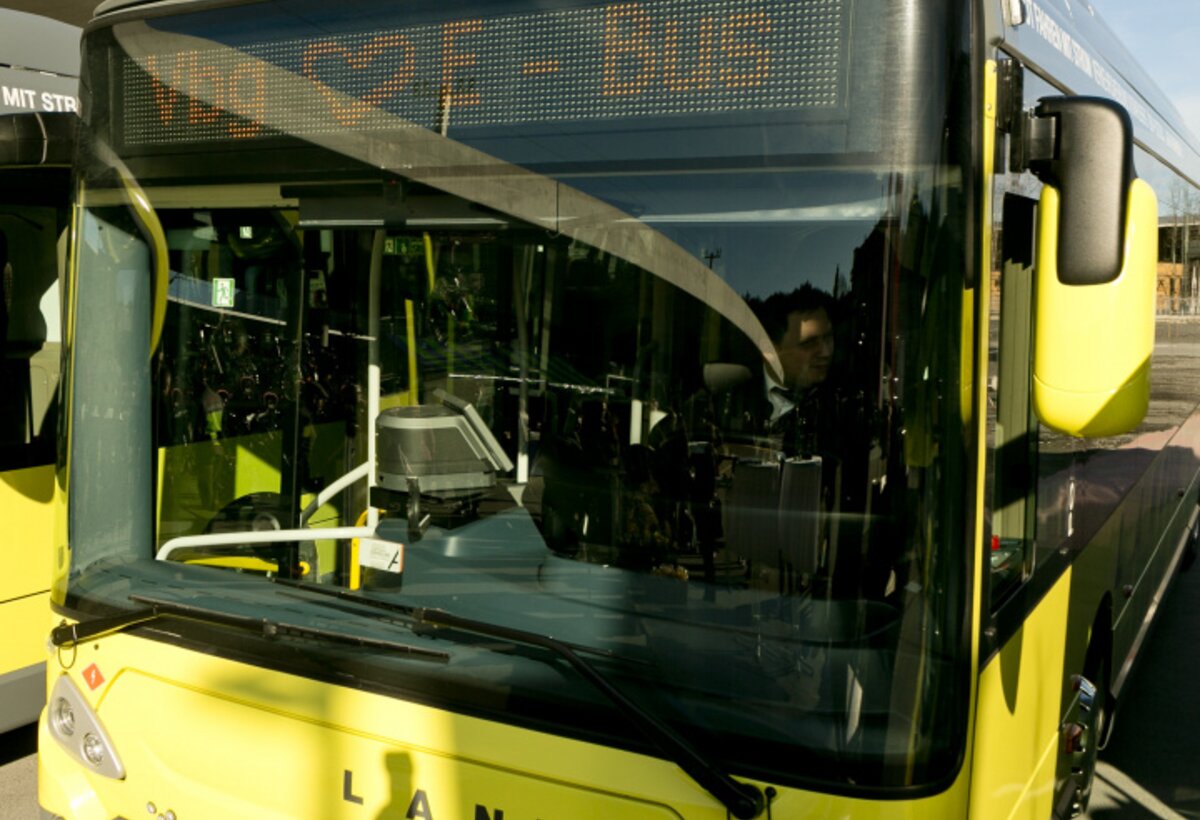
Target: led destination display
(632,59)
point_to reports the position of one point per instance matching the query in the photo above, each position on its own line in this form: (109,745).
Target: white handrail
(375,280)
(335,488)
(220,539)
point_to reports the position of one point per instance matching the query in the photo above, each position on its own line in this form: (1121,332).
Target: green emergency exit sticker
(222,293)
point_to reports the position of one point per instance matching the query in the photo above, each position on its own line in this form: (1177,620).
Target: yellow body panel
(1017,716)
(403,759)
(1092,343)
(25,623)
(27,510)
(26,507)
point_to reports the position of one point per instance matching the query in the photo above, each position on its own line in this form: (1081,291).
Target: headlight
(93,749)
(77,728)
(62,717)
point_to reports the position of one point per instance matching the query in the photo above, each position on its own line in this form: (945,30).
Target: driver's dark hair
(773,311)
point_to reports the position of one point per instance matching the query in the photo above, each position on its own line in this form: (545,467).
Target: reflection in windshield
(562,441)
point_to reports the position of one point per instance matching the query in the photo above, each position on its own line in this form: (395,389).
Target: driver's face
(806,349)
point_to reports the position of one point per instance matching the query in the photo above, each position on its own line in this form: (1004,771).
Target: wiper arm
(156,608)
(743,800)
(67,634)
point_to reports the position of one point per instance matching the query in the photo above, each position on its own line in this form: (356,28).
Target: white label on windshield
(384,555)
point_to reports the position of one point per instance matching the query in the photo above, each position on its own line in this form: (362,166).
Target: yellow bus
(39,68)
(663,408)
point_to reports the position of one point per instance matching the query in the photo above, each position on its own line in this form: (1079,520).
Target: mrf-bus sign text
(632,59)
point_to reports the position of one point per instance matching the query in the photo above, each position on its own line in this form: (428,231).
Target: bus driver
(800,325)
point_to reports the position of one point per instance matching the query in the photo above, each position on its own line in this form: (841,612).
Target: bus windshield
(641,326)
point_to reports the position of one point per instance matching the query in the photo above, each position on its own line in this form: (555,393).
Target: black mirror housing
(1083,146)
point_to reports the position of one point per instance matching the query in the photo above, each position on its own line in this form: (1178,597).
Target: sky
(1164,35)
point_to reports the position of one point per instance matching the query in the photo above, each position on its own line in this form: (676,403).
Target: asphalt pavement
(18,774)
(1151,768)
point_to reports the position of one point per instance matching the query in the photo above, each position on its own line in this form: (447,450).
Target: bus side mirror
(1096,270)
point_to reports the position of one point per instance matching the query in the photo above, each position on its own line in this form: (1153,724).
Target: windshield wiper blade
(743,800)
(156,608)
(410,612)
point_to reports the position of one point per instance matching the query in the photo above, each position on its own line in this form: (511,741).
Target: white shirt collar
(778,395)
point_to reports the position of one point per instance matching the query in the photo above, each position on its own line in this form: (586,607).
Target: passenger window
(29,336)
(1013,428)
(14,397)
